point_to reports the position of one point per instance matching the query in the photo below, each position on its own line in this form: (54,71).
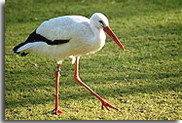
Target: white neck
(98,33)
(99,37)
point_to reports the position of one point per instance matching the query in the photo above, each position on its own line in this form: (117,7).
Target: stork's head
(100,21)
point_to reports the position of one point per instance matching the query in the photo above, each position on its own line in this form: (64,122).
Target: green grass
(145,82)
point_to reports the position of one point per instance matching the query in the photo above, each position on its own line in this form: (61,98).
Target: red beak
(113,36)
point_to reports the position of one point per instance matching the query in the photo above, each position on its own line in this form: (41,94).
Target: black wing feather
(34,37)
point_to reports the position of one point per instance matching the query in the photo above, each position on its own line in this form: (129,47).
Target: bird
(69,36)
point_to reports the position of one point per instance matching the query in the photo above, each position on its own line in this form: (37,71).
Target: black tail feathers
(17,47)
(29,39)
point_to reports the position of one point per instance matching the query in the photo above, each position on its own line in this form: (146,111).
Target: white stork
(69,36)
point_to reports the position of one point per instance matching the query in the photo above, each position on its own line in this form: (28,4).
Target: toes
(113,107)
(102,106)
(107,106)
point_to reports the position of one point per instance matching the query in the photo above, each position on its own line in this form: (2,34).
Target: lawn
(145,81)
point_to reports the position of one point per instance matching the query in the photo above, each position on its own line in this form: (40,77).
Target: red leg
(57,74)
(77,78)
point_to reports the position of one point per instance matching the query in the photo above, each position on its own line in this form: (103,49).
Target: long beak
(113,36)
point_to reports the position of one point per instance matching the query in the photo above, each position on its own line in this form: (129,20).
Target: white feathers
(85,36)
(73,59)
(97,18)
(65,27)
(26,47)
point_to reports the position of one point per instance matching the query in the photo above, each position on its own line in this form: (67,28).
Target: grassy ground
(145,82)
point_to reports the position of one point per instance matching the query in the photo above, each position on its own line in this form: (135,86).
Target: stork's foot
(57,112)
(106,105)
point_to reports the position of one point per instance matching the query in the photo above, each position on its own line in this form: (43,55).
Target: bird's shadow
(111,91)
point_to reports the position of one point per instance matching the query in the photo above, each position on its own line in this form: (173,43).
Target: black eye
(101,22)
